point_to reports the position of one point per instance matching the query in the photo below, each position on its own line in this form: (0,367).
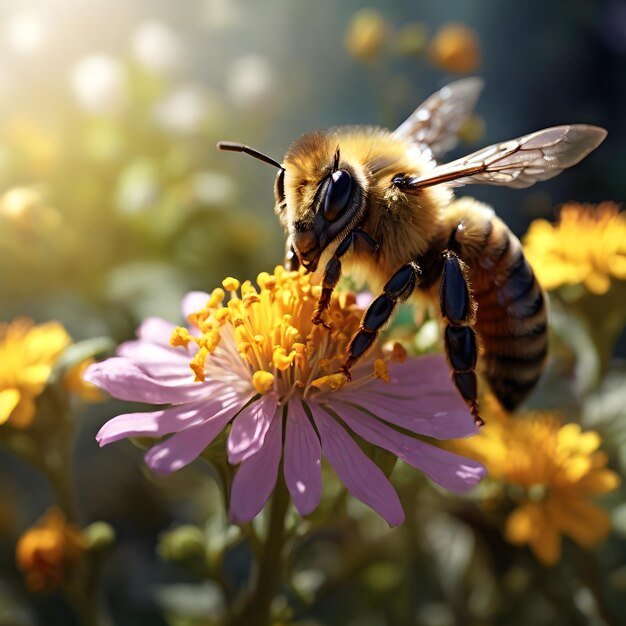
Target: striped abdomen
(511,319)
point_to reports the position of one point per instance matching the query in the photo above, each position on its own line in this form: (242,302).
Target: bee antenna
(336,160)
(231,146)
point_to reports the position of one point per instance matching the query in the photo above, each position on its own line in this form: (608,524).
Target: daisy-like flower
(587,246)
(551,471)
(28,353)
(49,552)
(255,364)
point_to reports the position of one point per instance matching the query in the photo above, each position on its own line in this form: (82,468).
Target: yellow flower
(366,35)
(28,353)
(587,246)
(455,48)
(47,553)
(552,470)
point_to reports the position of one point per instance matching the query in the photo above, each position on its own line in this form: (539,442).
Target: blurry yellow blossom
(23,209)
(74,382)
(366,34)
(456,48)
(587,246)
(551,470)
(48,553)
(28,353)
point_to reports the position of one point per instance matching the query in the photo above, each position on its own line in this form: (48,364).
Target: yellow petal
(529,524)
(34,377)
(584,522)
(521,523)
(45,342)
(599,481)
(9,399)
(575,468)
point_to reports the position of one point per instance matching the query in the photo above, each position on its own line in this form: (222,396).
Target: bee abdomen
(512,323)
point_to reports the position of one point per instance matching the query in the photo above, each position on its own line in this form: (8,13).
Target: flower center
(273,333)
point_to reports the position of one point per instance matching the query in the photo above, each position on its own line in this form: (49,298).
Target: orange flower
(49,552)
(552,471)
(455,48)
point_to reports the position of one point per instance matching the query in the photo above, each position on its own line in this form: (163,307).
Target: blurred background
(114,202)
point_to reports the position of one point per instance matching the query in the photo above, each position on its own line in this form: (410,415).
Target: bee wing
(434,125)
(517,163)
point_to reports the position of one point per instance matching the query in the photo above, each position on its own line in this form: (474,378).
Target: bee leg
(398,288)
(458,308)
(332,273)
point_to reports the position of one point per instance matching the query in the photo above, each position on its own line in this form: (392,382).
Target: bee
(364,198)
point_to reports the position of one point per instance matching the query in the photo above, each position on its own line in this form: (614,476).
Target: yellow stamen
(197,364)
(210,341)
(262,381)
(333,381)
(243,347)
(231,284)
(271,329)
(221,315)
(282,360)
(180,337)
(380,370)
(217,296)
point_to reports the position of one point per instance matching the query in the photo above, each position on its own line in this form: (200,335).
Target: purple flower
(257,362)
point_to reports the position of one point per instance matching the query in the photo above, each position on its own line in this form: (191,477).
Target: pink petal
(156,330)
(193,302)
(363,478)
(454,472)
(186,445)
(158,361)
(302,460)
(166,421)
(125,380)
(256,477)
(250,427)
(419,397)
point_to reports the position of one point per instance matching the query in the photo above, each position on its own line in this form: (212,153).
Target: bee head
(320,197)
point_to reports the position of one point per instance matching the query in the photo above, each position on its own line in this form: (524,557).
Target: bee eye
(337,195)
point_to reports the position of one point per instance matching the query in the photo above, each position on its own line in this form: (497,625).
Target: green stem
(269,571)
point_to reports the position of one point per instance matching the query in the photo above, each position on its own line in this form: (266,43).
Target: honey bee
(369,199)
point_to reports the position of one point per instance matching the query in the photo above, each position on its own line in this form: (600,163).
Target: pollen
(263,381)
(270,328)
